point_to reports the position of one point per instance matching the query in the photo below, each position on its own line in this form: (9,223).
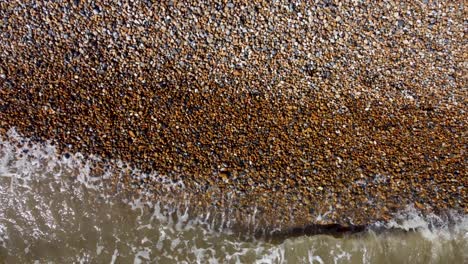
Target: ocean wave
(59,207)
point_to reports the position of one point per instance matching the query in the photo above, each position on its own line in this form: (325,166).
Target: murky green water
(52,210)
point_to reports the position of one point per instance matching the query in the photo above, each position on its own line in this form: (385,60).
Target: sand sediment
(348,109)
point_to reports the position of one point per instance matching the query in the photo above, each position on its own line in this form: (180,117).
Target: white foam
(47,199)
(431,226)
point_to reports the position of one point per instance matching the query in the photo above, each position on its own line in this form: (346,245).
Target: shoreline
(174,199)
(291,121)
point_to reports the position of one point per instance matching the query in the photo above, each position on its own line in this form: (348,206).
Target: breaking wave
(63,208)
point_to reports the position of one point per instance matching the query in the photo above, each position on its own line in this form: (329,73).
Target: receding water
(52,209)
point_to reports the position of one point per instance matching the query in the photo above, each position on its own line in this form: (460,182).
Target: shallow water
(52,209)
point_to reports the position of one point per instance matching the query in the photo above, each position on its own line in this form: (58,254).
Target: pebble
(305,103)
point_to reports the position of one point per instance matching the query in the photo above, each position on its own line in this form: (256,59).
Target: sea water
(54,210)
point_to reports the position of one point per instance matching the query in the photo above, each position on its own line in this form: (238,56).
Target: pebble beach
(304,113)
